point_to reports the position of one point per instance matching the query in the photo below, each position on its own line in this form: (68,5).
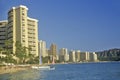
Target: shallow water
(83,71)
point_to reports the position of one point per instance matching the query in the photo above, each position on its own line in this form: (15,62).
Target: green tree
(8,44)
(45,59)
(36,60)
(1,49)
(21,53)
(8,52)
(0,53)
(31,58)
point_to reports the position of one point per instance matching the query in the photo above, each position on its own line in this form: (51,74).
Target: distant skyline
(85,25)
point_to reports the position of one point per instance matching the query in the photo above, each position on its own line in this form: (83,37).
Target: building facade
(21,28)
(3,35)
(77,55)
(53,50)
(63,55)
(93,57)
(72,56)
(66,55)
(42,48)
(84,56)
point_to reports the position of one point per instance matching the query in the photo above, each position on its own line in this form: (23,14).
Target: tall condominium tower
(42,48)
(66,57)
(77,55)
(3,35)
(72,56)
(87,56)
(63,54)
(63,51)
(93,57)
(23,29)
(84,56)
(53,50)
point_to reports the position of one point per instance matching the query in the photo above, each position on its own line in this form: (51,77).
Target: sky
(85,25)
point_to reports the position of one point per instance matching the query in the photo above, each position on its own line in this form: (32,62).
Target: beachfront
(13,68)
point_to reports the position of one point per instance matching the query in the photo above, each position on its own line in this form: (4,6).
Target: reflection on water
(26,75)
(22,75)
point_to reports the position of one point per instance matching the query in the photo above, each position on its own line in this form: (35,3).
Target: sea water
(81,71)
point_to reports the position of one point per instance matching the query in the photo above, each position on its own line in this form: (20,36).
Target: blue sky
(86,25)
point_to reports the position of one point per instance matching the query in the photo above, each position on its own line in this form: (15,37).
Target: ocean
(81,71)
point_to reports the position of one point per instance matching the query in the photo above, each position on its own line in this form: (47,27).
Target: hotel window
(23,24)
(23,30)
(23,19)
(23,13)
(23,9)
(33,29)
(23,40)
(23,35)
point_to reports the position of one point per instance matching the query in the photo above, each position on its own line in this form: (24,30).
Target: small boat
(52,68)
(41,67)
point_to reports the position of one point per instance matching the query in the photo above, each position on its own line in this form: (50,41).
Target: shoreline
(15,68)
(12,69)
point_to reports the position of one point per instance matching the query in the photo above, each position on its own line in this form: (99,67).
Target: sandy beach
(12,69)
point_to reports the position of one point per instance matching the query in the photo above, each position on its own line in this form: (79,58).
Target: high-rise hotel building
(53,50)
(72,56)
(42,48)
(23,29)
(3,27)
(63,55)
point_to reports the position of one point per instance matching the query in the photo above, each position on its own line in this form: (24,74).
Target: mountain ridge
(109,55)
